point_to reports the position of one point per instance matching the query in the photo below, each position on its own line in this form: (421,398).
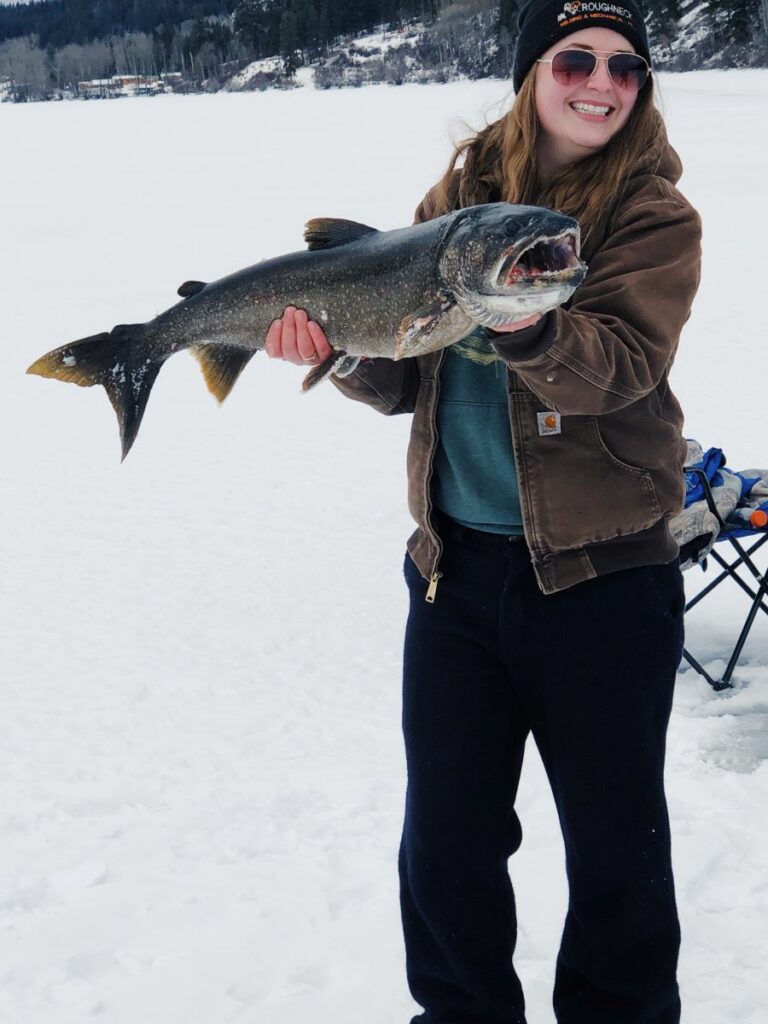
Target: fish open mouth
(545,261)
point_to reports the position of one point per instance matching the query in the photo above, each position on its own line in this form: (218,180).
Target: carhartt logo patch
(549,423)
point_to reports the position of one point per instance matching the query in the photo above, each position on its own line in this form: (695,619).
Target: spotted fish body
(395,294)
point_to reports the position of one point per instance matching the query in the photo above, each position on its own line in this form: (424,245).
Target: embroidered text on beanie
(544,22)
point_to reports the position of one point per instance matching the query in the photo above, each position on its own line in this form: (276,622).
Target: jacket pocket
(640,470)
(577,490)
(636,498)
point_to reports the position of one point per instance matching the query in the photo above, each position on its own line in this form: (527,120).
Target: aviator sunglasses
(574,67)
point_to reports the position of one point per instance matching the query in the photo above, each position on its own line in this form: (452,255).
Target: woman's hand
(519,325)
(297,339)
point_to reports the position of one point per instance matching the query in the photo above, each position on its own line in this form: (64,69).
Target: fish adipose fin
(118,362)
(221,366)
(339,363)
(328,232)
(190,288)
(434,326)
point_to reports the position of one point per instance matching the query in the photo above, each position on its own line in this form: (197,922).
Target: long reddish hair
(500,165)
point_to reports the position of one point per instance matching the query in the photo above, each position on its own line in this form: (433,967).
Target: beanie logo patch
(578,10)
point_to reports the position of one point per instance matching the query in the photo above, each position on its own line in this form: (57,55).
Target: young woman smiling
(546,596)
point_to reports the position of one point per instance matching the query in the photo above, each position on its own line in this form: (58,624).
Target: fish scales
(358,293)
(394,294)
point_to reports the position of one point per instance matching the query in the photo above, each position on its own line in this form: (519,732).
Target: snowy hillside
(466,43)
(200,740)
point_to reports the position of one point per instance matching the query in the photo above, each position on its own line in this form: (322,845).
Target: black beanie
(544,22)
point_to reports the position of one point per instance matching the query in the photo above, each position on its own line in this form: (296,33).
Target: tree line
(48,46)
(56,23)
(202,50)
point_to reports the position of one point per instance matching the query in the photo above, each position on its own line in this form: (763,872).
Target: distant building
(98,88)
(123,85)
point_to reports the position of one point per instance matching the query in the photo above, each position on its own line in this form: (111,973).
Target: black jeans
(590,672)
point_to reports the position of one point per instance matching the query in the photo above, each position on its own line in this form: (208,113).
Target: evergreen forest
(49,47)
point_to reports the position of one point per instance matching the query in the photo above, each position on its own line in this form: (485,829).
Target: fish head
(505,262)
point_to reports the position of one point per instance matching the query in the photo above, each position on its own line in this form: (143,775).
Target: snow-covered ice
(200,751)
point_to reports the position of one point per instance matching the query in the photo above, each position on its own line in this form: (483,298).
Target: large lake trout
(396,294)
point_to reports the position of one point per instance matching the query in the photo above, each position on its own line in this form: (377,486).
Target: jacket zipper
(435,576)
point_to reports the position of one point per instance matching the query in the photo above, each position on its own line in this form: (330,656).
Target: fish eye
(511,227)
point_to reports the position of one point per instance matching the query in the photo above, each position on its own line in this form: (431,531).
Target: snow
(265,66)
(200,742)
(381,42)
(694,12)
(360,50)
(305,77)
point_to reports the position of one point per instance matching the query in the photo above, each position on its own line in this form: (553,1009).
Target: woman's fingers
(290,352)
(297,339)
(304,343)
(273,346)
(519,325)
(319,340)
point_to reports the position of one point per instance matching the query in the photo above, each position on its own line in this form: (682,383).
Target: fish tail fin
(119,362)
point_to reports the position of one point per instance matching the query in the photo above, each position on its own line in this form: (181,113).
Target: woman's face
(569,134)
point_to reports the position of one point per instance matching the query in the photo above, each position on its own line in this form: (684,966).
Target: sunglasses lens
(571,67)
(628,70)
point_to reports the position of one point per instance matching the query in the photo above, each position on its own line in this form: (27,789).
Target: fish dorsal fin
(190,288)
(221,366)
(328,232)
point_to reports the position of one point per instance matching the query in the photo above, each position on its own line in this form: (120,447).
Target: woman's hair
(500,163)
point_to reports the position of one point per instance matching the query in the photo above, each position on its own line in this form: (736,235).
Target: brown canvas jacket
(596,496)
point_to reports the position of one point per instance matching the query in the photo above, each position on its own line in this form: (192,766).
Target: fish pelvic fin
(221,366)
(328,232)
(119,362)
(339,363)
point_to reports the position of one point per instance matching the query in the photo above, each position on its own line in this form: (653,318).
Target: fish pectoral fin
(339,363)
(221,366)
(328,232)
(430,328)
(190,288)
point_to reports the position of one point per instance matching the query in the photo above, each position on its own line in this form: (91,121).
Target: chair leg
(744,559)
(745,632)
(757,604)
(716,684)
(728,570)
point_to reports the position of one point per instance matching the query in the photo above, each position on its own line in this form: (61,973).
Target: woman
(546,596)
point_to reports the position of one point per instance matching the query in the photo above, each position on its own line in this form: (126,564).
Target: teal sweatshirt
(475,480)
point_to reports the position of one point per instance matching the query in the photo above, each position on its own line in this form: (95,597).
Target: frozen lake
(200,751)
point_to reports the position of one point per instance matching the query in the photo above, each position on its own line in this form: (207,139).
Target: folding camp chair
(689,553)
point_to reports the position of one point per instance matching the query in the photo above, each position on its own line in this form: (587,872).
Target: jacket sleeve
(388,386)
(619,336)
